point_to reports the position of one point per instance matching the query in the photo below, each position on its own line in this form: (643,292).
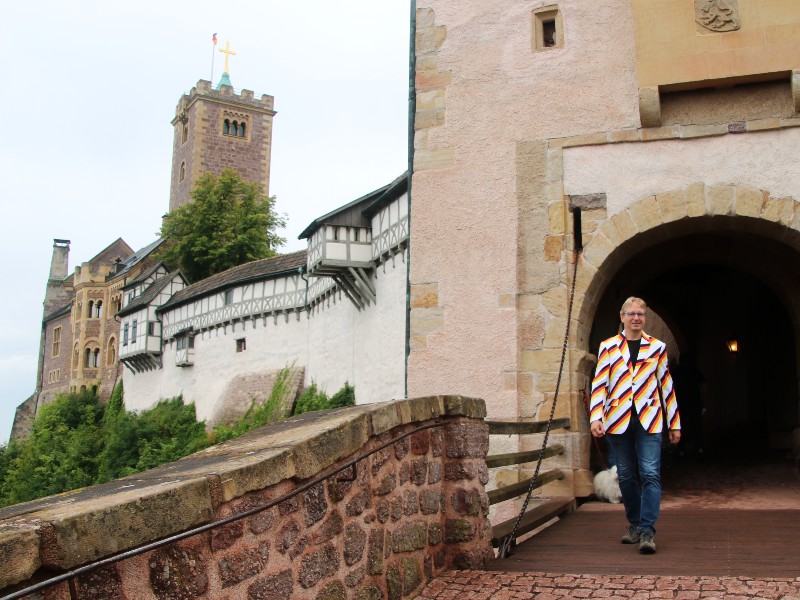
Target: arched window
(226,127)
(96,357)
(75,357)
(87,361)
(182,175)
(90,312)
(184,133)
(112,351)
(235,128)
(98,309)
(241,130)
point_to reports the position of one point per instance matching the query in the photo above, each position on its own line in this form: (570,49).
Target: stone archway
(743,231)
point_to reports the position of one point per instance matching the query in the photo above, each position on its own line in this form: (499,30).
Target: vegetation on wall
(76,441)
(315,399)
(229,222)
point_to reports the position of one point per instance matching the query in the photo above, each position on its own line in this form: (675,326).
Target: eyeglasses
(634,314)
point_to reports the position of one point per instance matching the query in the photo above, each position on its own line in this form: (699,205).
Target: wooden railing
(540,510)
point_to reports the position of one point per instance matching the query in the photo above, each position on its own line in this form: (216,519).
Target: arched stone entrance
(715,263)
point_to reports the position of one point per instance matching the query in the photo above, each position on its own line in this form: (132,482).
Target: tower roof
(224,80)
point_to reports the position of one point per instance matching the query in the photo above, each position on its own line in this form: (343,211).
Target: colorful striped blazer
(617,385)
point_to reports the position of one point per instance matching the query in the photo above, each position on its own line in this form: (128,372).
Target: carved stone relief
(717,15)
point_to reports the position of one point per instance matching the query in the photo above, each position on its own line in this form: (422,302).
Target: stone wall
(380,530)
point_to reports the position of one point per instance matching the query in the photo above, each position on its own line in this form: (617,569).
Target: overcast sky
(89,90)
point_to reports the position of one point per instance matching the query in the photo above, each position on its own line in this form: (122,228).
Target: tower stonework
(217,129)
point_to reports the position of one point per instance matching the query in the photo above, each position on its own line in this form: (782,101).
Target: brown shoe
(631,536)
(647,544)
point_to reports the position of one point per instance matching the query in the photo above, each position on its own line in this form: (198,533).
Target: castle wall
(334,342)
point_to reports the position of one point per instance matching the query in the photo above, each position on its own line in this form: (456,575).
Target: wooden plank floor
(715,542)
(716,519)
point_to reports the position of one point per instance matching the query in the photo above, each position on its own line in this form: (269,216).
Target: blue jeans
(638,457)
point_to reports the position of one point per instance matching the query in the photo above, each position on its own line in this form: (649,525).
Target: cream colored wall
(628,173)
(672,49)
(478,229)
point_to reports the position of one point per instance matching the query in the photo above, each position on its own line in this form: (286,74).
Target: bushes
(314,399)
(76,441)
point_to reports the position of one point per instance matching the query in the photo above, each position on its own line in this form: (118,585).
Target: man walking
(630,387)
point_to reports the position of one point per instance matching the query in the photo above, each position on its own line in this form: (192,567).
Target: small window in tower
(241,344)
(548,29)
(182,175)
(241,130)
(226,127)
(549,33)
(184,133)
(235,128)
(87,358)
(96,357)
(90,312)
(98,309)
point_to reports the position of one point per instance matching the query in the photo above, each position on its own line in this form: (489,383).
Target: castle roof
(359,212)
(151,292)
(59,312)
(135,258)
(266,268)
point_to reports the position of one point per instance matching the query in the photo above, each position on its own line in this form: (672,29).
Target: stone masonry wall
(379,530)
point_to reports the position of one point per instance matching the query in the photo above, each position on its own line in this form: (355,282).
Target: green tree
(62,451)
(230,222)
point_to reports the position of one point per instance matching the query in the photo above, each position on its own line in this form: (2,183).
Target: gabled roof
(266,268)
(394,190)
(144,275)
(59,312)
(151,292)
(117,249)
(352,213)
(135,258)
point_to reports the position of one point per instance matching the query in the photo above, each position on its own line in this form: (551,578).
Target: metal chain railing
(510,541)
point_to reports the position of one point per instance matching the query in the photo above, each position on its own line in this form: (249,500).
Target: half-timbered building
(336,311)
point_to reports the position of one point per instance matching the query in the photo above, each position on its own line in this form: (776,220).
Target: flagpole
(213,47)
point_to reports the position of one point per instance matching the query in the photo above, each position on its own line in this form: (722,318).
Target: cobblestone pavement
(480,585)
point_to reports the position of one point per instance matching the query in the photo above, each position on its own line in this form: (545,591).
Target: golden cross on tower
(227,52)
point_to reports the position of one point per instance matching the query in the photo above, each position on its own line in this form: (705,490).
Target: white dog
(606,486)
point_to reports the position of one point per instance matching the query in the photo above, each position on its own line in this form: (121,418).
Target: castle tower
(217,129)
(57,295)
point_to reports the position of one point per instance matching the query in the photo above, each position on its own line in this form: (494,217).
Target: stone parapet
(379,529)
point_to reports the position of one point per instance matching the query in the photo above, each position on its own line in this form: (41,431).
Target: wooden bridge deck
(717,519)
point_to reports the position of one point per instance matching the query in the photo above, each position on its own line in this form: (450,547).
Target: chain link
(510,541)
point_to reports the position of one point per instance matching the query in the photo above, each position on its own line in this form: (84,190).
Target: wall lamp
(733,346)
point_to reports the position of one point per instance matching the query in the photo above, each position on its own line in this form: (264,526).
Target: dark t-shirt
(633,348)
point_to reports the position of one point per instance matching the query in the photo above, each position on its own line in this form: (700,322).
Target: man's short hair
(632,300)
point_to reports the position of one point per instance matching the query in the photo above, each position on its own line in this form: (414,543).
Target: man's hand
(674,436)
(598,430)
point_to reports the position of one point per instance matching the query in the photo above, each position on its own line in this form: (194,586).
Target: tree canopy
(230,222)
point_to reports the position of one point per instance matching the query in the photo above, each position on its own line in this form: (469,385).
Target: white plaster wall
(366,348)
(335,344)
(465,218)
(628,173)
